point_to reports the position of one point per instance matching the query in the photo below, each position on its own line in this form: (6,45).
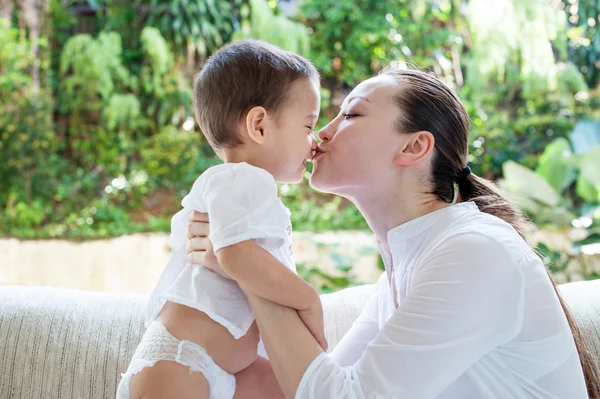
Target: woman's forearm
(289,344)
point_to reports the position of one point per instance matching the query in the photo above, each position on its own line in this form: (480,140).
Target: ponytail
(490,199)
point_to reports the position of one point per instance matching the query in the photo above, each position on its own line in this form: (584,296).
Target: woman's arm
(259,379)
(466,301)
(289,344)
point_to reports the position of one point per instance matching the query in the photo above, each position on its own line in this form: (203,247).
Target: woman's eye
(349,116)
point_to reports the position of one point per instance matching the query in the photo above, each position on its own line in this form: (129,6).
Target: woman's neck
(385,212)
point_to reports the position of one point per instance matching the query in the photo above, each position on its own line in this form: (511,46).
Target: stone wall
(133,263)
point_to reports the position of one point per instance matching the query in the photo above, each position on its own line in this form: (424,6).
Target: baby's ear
(255,124)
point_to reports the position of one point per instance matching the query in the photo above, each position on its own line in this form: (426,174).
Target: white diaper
(158,344)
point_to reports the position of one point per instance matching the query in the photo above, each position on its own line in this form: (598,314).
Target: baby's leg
(167,379)
(206,358)
(231,354)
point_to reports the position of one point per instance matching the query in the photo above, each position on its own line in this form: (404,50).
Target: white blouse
(477,318)
(243,204)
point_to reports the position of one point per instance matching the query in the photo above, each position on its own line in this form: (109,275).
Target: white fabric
(243,205)
(478,318)
(160,345)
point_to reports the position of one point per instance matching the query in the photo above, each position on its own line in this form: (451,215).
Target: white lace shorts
(158,344)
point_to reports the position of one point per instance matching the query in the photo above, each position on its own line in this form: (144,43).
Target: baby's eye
(312,129)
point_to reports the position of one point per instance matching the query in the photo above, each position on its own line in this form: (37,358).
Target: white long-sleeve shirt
(477,318)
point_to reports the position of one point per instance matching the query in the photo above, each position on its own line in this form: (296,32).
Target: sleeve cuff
(220,240)
(302,392)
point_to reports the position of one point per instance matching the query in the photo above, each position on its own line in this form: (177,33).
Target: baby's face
(293,143)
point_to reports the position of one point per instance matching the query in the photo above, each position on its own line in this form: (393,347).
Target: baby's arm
(259,272)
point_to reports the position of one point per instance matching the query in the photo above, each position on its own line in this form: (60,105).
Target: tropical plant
(562,197)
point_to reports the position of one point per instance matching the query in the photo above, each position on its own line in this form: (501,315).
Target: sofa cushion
(57,343)
(61,344)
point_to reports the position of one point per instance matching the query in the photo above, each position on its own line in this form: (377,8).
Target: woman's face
(359,145)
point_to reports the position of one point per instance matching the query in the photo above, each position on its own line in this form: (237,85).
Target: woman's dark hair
(427,104)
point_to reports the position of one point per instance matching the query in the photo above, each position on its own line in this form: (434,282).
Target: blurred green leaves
(568,220)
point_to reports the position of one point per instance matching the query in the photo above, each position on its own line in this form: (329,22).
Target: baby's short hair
(240,76)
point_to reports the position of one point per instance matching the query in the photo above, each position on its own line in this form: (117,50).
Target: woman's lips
(317,154)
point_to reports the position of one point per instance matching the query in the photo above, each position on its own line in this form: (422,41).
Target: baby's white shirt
(243,204)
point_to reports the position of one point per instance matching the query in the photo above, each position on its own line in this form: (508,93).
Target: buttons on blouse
(289,233)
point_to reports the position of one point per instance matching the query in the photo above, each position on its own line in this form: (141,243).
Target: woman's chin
(318,181)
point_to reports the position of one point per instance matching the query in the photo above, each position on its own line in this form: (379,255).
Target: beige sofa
(57,343)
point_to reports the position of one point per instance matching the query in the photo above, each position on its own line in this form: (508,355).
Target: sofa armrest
(341,308)
(58,343)
(583,300)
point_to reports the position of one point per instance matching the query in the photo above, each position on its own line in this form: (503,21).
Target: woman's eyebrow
(356,98)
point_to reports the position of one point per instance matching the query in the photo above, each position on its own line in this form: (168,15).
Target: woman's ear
(413,150)
(255,124)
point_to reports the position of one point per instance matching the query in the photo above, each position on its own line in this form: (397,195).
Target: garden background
(98,143)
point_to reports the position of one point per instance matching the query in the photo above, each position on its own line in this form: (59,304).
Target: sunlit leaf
(524,181)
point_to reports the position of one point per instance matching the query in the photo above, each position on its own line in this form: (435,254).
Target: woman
(465,308)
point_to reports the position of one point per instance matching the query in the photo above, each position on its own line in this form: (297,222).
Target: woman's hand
(199,248)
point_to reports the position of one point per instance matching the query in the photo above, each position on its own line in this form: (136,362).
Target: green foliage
(516,53)
(26,134)
(91,96)
(351,40)
(165,92)
(262,24)
(159,60)
(107,121)
(524,91)
(99,93)
(90,71)
(171,157)
(105,144)
(563,219)
(556,166)
(204,25)
(584,37)
(326,283)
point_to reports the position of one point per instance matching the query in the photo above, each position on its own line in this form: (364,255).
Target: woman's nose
(327,132)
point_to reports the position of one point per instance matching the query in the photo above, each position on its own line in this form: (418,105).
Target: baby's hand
(313,319)
(199,248)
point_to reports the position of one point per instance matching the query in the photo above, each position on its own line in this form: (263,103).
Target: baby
(257,105)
